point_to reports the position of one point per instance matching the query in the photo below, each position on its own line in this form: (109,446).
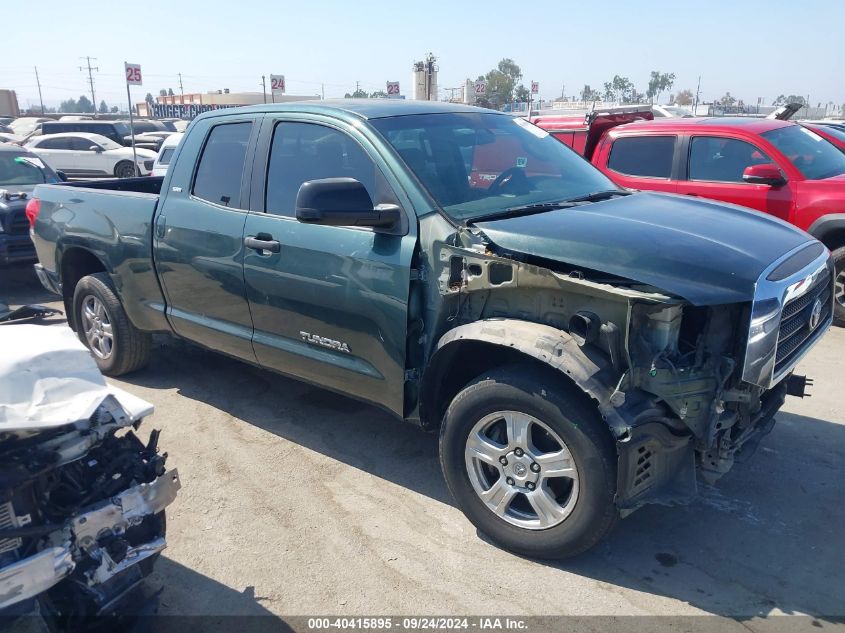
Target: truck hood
(48,379)
(705,252)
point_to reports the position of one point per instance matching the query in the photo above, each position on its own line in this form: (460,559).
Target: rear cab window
(219,175)
(643,156)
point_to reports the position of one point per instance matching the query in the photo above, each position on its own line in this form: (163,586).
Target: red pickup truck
(778,167)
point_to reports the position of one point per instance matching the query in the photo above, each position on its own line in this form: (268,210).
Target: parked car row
(788,170)
(85,148)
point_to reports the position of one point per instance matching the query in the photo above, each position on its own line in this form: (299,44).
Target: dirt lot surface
(298,501)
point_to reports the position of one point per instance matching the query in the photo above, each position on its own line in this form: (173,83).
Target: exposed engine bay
(82,498)
(666,373)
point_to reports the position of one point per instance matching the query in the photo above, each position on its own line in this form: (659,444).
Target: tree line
(84,105)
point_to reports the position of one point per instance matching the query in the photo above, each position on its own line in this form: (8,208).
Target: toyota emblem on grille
(816,314)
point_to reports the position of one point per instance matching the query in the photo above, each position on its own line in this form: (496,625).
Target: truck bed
(146,184)
(104,225)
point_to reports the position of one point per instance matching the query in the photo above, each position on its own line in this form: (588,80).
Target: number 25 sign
(133,74)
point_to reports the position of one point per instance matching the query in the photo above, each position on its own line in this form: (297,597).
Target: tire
(587,512)
(839,287)
(125,169)
(126,348)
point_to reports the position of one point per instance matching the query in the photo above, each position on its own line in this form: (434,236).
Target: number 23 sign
(133,74)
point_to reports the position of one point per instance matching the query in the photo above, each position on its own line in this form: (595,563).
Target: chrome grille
(7,522)
(796,327)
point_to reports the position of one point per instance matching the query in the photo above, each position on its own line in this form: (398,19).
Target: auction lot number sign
(277,84)
(133,74)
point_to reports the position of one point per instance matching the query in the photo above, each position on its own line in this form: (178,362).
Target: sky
(752,49)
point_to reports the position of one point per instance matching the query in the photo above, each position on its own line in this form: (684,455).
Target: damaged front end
(82,498)
(686,387)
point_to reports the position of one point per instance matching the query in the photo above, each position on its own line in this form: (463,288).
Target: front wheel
(125,169)
(117,346)
(839,287)
(530,463)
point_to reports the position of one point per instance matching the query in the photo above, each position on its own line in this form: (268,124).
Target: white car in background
(165,153)
(86,155)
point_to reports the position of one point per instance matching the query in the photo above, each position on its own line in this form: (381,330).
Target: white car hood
(48,379)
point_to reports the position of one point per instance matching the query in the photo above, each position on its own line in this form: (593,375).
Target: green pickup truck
(582,350)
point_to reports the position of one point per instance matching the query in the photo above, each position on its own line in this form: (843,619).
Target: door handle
(263,242)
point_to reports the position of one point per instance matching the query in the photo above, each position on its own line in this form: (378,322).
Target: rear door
(59,153)
(198,241)
(329,304)
(645,161)
(713,168)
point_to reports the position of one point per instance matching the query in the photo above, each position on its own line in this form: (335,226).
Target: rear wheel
(530,463)
(117,346)
(125,169)
(839,287)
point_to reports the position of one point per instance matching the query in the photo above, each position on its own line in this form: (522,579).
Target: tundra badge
(325,342)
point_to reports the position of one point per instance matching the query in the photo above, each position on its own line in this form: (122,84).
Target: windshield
(16,169)
(815,157)
(475,165)
(107,143)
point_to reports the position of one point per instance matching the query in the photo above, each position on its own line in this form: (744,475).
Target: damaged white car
(82,498)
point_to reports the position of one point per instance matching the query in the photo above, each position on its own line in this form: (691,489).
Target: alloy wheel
(97,327)
(522,470)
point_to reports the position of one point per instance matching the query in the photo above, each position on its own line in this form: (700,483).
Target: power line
(91,79)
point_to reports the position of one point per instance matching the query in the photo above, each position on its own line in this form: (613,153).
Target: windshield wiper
(598,196)
(526,209)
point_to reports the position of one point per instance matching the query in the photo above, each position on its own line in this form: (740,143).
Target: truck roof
(750,124)
(360,108)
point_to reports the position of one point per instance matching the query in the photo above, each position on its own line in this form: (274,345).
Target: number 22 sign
(133,74)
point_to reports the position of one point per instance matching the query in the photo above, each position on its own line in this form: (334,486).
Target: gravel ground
(298,501)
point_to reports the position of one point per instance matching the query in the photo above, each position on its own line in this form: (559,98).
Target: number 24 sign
(133,74)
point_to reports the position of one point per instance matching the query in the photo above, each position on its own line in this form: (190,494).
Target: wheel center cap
(519,469)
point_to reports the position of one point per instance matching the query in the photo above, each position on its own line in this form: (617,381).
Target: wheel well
(76,264)
(834,239)
(458,364)
(119,163)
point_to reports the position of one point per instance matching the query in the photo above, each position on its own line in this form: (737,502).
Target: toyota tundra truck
(580,349)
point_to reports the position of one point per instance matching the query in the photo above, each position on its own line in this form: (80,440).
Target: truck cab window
(643,156)
(221,165)
(305,151)
(718,159)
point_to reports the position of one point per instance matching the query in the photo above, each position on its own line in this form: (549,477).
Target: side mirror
(342,202)
(95,148)
(764,174)
(62,176)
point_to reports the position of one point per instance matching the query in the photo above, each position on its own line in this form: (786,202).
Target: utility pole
(323,91)
(264,87)
(357,87)
(40,98)
(181,88)
(91,79)
(697,92)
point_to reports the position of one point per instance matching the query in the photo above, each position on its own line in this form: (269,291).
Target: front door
(199,245)
(330,304)
(714,170)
